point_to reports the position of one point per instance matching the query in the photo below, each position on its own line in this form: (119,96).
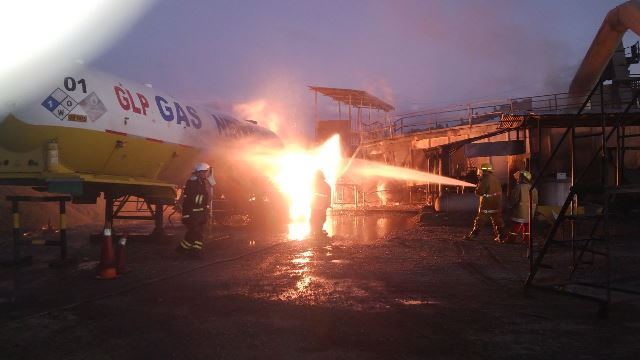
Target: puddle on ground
(303,257)
(366,229)
(301,277)
(346,229)
(340,261)
(300,269)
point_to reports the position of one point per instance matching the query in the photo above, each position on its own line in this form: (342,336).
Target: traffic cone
(106,269)
(120,257)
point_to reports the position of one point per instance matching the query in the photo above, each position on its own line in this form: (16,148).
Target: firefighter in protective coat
(489,190)
(195,208)
(320,203)
(519,201)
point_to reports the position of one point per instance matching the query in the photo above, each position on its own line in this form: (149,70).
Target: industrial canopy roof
(357,98)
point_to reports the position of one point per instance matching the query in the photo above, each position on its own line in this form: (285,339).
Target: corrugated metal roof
(357,98)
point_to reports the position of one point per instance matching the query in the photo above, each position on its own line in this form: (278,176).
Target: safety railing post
(63,230)
(16,231)
(604,141)
(540,175)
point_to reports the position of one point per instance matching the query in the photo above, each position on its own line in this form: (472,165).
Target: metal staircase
(590,227)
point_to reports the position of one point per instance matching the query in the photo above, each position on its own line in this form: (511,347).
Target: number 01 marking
(70,84)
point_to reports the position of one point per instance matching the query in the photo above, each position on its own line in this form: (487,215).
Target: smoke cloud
(260,56)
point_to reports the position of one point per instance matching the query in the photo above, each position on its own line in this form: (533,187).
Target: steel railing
(484,112)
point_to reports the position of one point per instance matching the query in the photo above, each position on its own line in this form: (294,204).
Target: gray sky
(414,54)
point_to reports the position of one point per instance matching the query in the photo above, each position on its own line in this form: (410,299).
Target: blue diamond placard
(50,103)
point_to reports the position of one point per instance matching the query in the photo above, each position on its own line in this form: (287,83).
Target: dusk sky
(414,54)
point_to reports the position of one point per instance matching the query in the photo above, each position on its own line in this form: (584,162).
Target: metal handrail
(536,181)
(464,114)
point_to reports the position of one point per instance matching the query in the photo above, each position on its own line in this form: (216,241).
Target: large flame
(292,170)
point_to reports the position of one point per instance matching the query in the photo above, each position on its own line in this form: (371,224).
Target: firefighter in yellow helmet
(489,190)
(195,208)
(519,202)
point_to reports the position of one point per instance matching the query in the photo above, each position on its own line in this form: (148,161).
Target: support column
(108,211)
(350,117)
(64,260)
(317,116)
(604,162)
(158,229)
(16,232)
(315,105)
(63,231)
(439,165)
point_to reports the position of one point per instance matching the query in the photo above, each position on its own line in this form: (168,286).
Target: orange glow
(257,110)
(292,170)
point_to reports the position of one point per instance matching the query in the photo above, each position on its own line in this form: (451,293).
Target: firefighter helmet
(525,174)
(201,167)
(486,167)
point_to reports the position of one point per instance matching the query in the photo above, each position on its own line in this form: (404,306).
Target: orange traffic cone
(106,269)
(120,257)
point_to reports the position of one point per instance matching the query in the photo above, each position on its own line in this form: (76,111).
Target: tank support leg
(158,229)
(108,211)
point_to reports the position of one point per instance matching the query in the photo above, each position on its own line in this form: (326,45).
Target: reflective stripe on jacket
(195,198)
(321,195)
(490,192)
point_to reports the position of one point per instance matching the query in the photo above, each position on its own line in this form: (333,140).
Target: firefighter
(195,208)
(490,208)
(519,202)
(319,204)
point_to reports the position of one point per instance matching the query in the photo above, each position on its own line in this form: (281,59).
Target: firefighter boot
(472,235)
(499,233)
(184,247)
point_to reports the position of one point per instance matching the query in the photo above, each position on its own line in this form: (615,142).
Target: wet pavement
(367,229)
(381,287)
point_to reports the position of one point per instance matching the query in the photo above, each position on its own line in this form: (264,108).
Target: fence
(490,111)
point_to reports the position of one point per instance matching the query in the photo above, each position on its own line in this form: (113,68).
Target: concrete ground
(380,288)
